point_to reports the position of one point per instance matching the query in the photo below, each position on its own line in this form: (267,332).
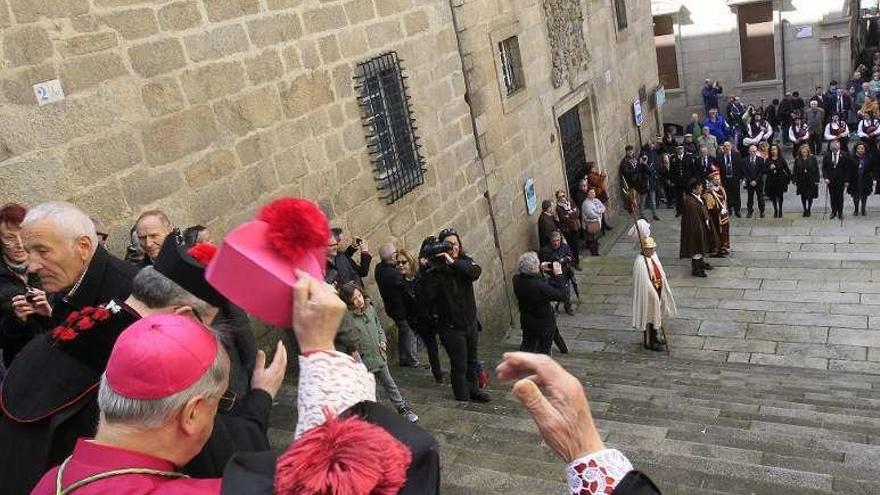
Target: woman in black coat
(534,293)
(778,177)
(806,178)
(861,180)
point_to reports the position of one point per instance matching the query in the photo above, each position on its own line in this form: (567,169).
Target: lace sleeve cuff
(597,473)
(330,380)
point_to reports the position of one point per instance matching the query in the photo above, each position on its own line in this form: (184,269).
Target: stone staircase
(772,386)
(695,427)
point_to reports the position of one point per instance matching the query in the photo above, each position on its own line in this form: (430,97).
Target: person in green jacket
(362,336)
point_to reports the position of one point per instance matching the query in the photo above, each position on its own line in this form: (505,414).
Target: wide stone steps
(695,427)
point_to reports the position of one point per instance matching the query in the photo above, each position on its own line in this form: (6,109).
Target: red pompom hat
(254,267)
(343,457)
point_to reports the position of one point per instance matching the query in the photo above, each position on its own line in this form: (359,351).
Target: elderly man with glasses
(49,397)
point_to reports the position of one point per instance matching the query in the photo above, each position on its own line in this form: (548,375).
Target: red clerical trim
(67,404)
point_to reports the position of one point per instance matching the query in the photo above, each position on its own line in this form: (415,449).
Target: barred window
(511,65)
(620,14)
(398,165)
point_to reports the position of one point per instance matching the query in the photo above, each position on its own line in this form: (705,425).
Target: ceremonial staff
(630,193)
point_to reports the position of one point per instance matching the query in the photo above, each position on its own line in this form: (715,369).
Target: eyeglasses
(226,401)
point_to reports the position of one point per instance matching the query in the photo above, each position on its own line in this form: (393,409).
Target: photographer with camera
(341,266)
(560,252)
(448,285)
(534,294)
(24,308)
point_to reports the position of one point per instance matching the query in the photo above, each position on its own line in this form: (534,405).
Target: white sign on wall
(48,91)
(801,32)
(637,112)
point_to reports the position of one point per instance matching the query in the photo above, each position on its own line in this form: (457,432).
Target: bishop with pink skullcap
(159,356)
(139,445)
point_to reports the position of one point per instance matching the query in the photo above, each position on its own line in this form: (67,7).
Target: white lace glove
(333,381)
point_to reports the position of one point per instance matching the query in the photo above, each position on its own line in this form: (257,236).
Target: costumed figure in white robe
(652,295)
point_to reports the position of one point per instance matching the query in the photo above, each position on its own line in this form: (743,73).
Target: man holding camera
(449,284)
(559,252)
(341,266)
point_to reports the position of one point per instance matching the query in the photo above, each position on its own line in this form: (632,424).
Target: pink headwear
(159,356)
(255,265)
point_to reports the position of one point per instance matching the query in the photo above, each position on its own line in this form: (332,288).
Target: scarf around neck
(17,268)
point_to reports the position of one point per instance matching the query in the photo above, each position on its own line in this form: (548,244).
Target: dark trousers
(537,340)
(816,142)
(836,193)
(733,186)
(753,191)
(678,193)
(461,346)
(860,198)
(428,333)
(777,203)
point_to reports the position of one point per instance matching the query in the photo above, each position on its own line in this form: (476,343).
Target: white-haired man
(63,250)
(152,228)
(164,383)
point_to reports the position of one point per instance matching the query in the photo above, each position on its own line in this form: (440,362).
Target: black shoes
(736,213)
(761,214)
(480,396)
(651,340)
(697,268)
(656,217)
(749,214)
(706,266)
(833,215)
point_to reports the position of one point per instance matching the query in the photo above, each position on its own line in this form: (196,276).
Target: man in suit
(703,165)
(815,119)
(837,102)
(680,166)
(753,173)
(835,166)
(731,175)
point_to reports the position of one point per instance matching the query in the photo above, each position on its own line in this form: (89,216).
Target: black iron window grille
(511,65)
(398,165)
(620,13)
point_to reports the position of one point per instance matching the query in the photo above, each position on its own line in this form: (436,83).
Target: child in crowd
(362,336)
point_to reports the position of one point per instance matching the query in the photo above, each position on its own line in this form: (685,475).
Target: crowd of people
(834,137)
(142,375)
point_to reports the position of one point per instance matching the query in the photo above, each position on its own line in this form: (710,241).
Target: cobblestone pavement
(795,291)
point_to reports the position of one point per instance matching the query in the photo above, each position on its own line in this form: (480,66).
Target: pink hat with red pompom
(255,265)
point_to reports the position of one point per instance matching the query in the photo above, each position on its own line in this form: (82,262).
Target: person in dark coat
(695,230)
(547,222)
(341,266)
(560,252)
(569,216)
(421,317)
(861,181)
(632,176)
(778,177)
(710,93)
(449,284)
(835,170)
(730,163)
(17,328)
(534,294)
(46,399)
(680,166)
(753,175)
(391,287)
(806,176)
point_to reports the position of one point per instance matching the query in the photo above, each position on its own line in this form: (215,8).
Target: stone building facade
(210,108)
(755,48)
